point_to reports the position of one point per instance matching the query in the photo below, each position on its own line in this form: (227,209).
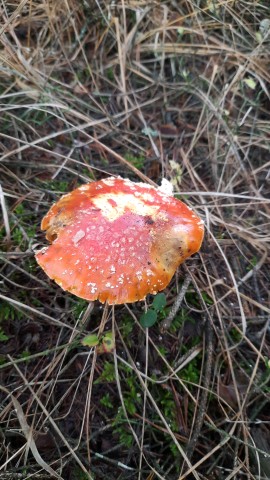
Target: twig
(207,377)
(204,395)
(166,323)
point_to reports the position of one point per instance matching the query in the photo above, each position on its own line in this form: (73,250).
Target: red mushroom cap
(116,241)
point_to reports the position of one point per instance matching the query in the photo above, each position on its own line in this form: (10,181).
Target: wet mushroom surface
(117,241)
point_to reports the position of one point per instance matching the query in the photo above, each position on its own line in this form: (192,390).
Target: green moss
(106,401)
(121,429)
(107,374)
(192,372)
(8,312)
(3,336)
(136,161)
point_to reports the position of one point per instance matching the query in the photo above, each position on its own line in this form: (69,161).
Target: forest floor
(146,90)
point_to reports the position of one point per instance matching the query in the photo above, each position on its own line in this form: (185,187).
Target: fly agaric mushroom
(115,240)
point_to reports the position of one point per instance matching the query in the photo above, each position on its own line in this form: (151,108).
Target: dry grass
(145,90)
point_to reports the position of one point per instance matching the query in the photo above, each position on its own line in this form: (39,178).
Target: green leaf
(267,363)
(106,344)
(148,319)
(90,341)
(159,302)
(250,83)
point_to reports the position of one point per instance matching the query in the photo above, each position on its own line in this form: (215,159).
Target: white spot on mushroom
(166,187)
(83,187)
(114,205)
(148,197)
(109,181)
(78,236)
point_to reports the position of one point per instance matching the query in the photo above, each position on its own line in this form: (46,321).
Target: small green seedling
(149,318)
(104,344)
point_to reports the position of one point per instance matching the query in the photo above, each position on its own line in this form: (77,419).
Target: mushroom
(117,241)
